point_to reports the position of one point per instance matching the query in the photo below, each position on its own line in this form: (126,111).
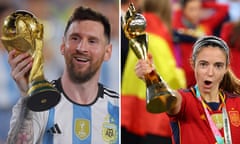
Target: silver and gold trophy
(22,31)
(159,96)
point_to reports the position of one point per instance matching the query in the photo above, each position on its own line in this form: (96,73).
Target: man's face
(210,67)
(85,47)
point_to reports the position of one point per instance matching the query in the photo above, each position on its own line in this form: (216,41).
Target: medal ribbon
(215,131)
(226,127)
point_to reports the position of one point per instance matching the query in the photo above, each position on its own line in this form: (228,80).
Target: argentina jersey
(72,123)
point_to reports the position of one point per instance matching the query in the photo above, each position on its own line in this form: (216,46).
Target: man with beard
(88,112)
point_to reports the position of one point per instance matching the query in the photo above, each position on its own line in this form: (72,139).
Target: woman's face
(192,11)
(210,67)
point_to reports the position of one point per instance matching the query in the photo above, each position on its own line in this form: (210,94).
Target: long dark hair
(230,83)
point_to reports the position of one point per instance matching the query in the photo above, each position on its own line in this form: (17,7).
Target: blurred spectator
(138,125)
(195,19)
(231,34)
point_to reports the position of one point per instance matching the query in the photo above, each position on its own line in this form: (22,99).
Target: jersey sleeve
(27,123)
(185,97)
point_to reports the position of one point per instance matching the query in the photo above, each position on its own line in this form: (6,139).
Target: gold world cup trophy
(22,31)
(159,96)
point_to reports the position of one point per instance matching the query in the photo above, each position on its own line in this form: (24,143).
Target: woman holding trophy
(208,112)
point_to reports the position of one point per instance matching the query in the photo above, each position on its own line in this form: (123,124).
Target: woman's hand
(21,65)
(144,67)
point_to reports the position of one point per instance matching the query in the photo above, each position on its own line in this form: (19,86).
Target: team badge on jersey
(109,131)
(234,118)
(82,128)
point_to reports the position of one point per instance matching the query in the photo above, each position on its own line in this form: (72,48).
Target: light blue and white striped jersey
(72,123)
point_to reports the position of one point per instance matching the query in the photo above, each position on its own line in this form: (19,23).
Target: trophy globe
(22,31)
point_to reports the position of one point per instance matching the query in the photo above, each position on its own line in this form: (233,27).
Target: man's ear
(108,52)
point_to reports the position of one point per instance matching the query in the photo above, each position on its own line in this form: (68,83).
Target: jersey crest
(109,130)
(82,128)
(234,117)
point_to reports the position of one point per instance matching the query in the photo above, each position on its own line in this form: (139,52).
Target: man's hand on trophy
(144,67)
(21,65)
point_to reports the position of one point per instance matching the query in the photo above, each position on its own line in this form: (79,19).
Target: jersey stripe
(176,132)
(81,124)
(110,93)
(48,136)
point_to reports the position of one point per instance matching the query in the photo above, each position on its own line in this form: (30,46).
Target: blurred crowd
(53,15)
(172,27)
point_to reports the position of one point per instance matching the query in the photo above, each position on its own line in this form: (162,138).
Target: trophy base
(43,100)
(159,98)
(161,103)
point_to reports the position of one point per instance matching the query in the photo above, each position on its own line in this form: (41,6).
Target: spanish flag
(134,116)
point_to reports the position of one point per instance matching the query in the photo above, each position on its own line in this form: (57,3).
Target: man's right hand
(21,65)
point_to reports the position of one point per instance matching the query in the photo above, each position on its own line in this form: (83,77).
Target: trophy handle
(139,46)
(43,95)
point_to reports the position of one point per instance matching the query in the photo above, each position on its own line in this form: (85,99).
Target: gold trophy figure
(22,31)
(159,96)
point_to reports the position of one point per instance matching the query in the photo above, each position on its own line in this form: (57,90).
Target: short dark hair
(85,13)
(183,3)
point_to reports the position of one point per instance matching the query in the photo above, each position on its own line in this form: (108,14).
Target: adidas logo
(54,130)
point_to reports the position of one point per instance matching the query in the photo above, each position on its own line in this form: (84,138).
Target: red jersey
(190,125)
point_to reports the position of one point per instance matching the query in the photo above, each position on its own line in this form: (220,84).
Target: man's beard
(83,76)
